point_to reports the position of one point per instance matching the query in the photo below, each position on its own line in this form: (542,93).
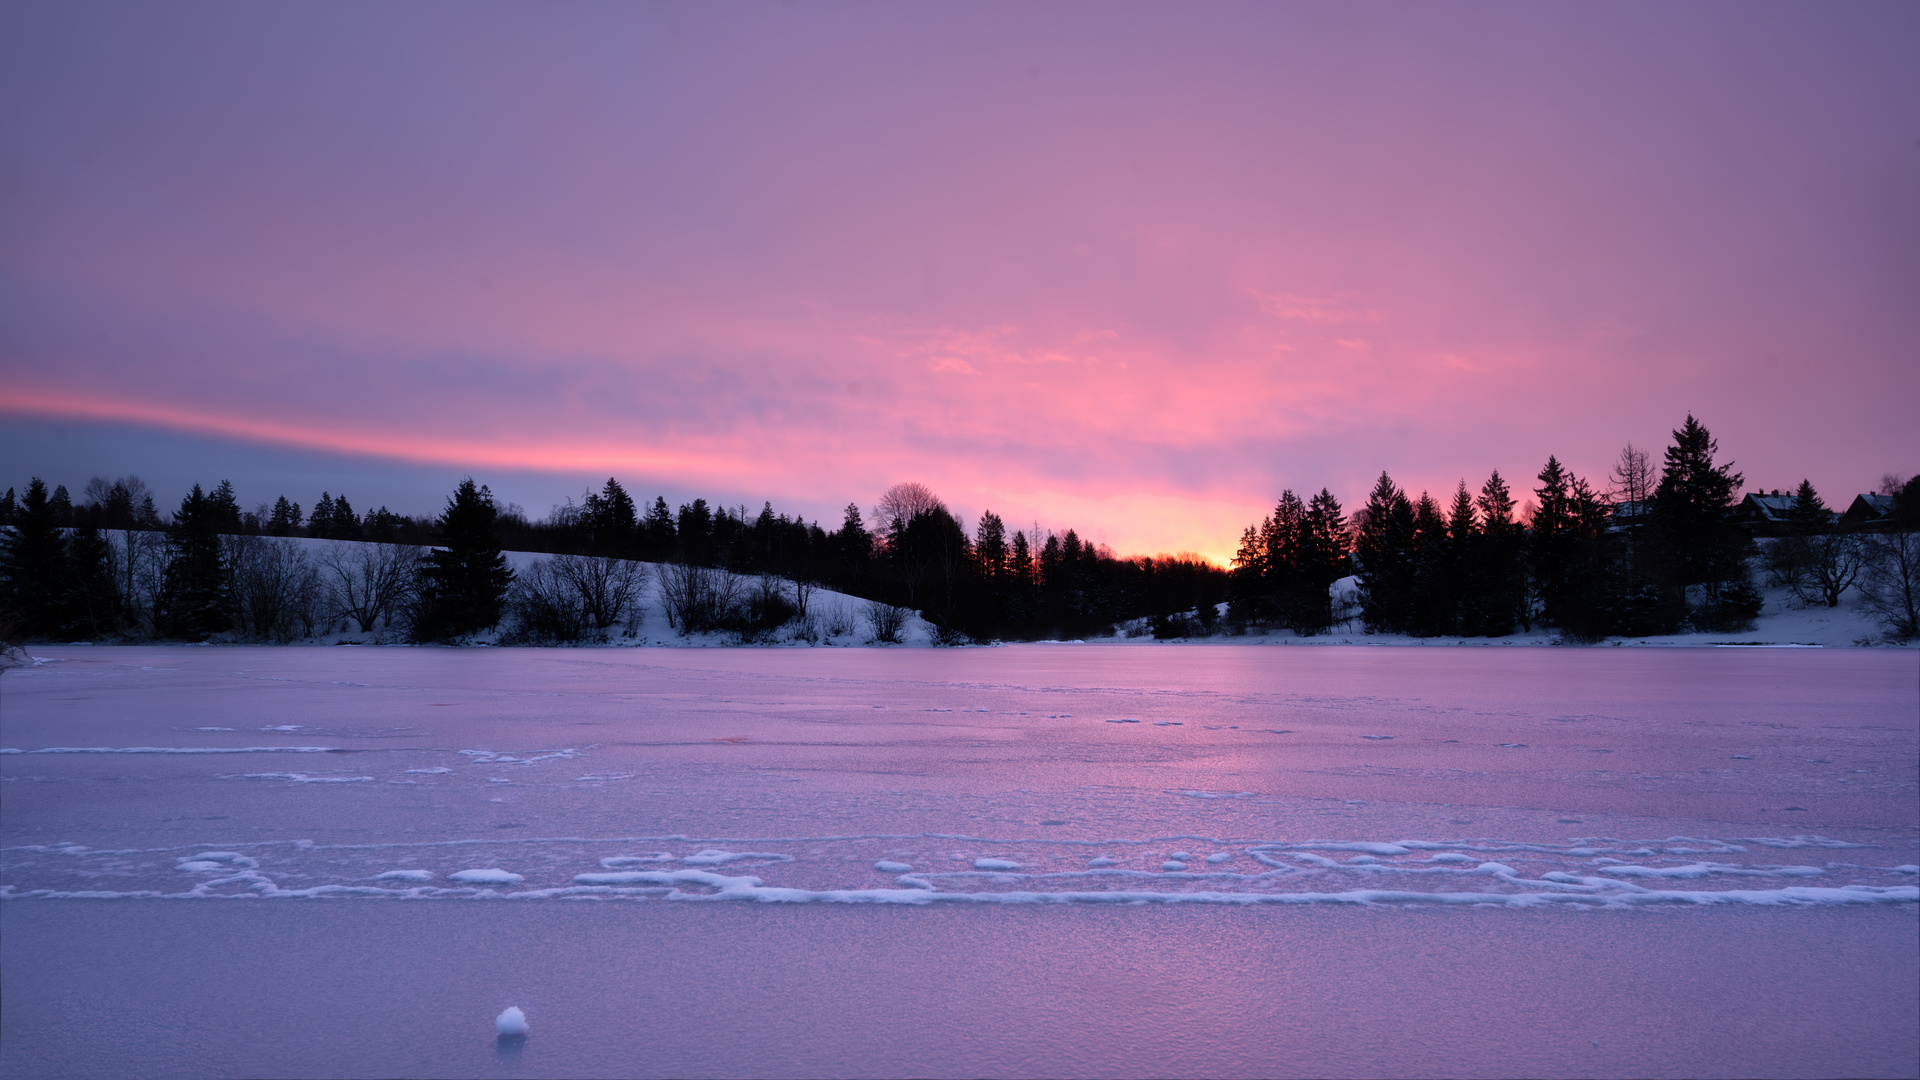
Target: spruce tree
(660,532)
(320,522)
(855,544)
(194,592)
(1808,514)
(1431,603)
(285,519)
(1383,550)
(33,558)
(990,547)
(1550,539)
(90,592)
(464,581)
(611,521)
(1693,523)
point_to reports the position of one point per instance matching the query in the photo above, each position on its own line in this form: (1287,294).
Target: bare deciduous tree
(1632,478)
(1829,564)
(697,598)
(888,622)
(369,582)
(1891,585)
(901,502)
(273,584)
(607,588)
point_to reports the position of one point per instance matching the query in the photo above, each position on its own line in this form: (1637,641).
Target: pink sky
(1129,269)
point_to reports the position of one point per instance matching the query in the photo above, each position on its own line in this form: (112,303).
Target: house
(1765,512)
(1629,515)
(1868,511)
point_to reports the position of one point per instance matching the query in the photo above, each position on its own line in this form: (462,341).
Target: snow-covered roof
(1869,508)
(1768,507)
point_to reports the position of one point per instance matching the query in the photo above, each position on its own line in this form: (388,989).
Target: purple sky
(1130,269)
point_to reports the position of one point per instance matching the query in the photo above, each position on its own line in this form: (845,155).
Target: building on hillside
(1629,515)
(1868,512)
(1765,512)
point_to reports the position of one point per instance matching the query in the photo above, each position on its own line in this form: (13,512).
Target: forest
(1655,551)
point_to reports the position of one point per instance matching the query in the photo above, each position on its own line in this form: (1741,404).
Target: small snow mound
(1172,865)
(511,1023)
(718,857)
(405,875)
(486,876)
(1103,861)
(888,866)
(1220,857)
(995,864)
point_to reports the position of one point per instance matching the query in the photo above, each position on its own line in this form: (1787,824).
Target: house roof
(1769,507)
(1869,507)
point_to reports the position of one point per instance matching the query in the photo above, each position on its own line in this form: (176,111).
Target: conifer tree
(1808,514)
(853,541)
(990,547)
(320,522)
(696,532)
(223,509)
(1550,539)
(285,519)
(193,596)
(1693,522)
(463,582)
(611,520)
(660,532)
(1384,553)
(1432,606)
(33,557)
(7,508)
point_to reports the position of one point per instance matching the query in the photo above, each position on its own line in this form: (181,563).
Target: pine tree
(1693,521)
(1693,504)
(696,531)
(320,522)
(464,582)
(194,594)
(1323,558)
(853,541)
(1432,607)
(1383,547)
(90,593)
(7,508)
(345,524)
(33,561)
(660,533)
(1499,573)
(990,547)
(1808,514)
(285,519)
(611,521)
(1550,539)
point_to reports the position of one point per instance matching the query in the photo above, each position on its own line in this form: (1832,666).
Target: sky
(1132,269)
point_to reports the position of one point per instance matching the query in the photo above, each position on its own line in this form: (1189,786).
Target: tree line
(1651,554)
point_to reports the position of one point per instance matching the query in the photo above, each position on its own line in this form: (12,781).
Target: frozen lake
(1034,860)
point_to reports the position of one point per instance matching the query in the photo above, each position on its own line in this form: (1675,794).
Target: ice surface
(767,790)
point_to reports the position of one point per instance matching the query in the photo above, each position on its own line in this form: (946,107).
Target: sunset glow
(1131,270)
